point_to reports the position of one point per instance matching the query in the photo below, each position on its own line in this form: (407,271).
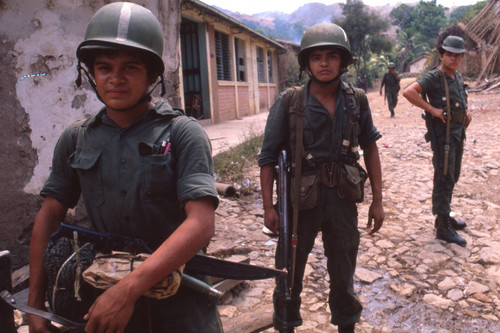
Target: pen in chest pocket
(165,147)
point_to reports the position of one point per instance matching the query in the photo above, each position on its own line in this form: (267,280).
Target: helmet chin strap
(143,99)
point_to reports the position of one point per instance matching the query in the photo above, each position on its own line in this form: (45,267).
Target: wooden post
(6,312)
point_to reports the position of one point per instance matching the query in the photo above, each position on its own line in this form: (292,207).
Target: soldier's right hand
(271,220)
(38,324)
(438,113)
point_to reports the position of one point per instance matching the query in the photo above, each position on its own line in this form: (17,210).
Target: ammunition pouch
(308,190)
(351,182)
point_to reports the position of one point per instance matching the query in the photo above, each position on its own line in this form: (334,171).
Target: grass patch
(232,166)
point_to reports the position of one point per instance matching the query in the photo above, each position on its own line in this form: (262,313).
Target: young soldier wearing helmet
(324,55)
(144,170)
(391,83)
(446,130)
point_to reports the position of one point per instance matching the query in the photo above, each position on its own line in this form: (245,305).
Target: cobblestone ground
(407,280)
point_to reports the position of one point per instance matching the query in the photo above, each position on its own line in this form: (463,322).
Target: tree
(419,28)
(364,30)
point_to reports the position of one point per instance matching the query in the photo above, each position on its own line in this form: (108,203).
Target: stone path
(407,280)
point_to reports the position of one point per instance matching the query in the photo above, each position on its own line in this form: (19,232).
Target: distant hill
(292,26)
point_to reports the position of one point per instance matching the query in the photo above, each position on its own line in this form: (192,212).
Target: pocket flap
(354,174)
(84,159)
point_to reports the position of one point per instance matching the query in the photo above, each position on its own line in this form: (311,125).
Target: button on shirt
(128,185)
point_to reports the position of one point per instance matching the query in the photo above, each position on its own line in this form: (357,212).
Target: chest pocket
(86,163)
(159,177)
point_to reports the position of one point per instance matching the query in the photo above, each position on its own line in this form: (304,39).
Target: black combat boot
(445,231)
(455,224)
(346,328)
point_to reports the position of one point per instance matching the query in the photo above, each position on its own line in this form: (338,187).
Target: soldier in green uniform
(447,147)
(144,170)
(391,82)
(324,55)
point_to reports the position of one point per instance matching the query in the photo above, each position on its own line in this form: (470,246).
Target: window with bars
(270,66)
(239,51)
(261,74)
(222,56)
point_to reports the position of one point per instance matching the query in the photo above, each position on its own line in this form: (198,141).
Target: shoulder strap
(295,108)
(350,133)
(173,131)
(294,105)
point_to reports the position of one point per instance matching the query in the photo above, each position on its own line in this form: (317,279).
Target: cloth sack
(109,269)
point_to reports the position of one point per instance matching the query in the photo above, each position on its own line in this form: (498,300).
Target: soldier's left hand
(468,119)
(376,214)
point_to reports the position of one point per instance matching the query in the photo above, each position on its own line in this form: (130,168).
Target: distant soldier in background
(445,90)
(391,83)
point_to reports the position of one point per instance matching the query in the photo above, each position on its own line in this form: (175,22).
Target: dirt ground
(406,279)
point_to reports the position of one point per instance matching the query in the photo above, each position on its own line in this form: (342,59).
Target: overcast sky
(288,6)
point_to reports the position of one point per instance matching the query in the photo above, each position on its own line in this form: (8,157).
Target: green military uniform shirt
(322,136)
(431,86)
(128,185)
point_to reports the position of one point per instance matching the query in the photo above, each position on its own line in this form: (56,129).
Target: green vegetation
(232,166)
(364,29)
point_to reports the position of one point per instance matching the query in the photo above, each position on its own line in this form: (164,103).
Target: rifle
(200,264)
(284,240)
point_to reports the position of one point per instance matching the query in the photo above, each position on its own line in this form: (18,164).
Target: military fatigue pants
(338,222)
(392,99)
(443,186)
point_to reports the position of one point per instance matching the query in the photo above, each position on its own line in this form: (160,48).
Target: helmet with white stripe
(124,25)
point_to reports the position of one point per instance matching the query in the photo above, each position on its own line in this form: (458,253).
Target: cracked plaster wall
(38,39)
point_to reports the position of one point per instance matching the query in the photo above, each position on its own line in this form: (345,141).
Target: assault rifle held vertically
(285,245)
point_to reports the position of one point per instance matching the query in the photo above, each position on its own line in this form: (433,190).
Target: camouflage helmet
(453,44)
(391,65)
(325,35)
(124,25)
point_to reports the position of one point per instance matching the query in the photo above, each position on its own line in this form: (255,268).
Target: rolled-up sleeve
(368,132)
(194,162)
(275,132)
(62,183)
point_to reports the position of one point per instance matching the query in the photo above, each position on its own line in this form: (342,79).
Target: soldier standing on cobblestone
(327,109)
(391,82)
(446,120)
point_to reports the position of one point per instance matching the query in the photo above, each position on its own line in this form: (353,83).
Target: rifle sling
(299,152)
(448,123)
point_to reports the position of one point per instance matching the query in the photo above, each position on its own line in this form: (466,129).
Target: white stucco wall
(47,99)
(38,40)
